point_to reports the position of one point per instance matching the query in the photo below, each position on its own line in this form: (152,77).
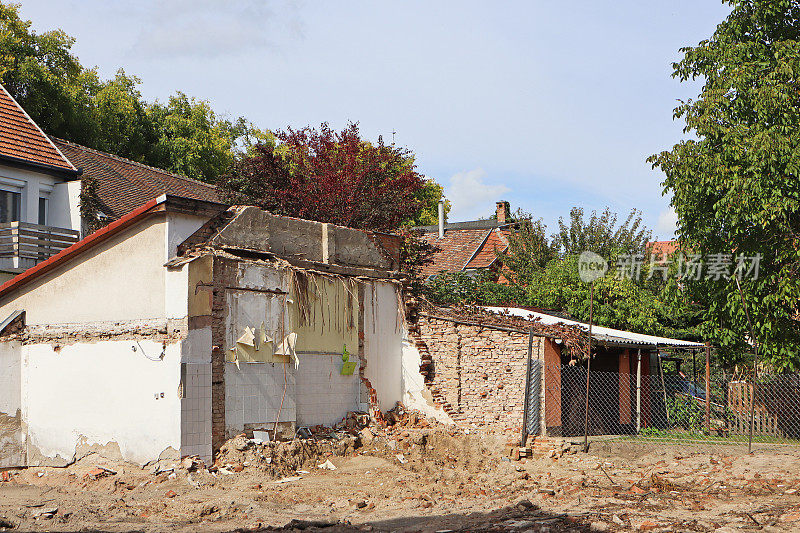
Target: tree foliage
(541,277)
(735,183)
(600,234)
(68,100)
(329,176)
(428,197)
(529,249)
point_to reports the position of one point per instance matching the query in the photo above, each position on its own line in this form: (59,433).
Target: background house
(39,189)
(123,185)
(468,246)
(41,179)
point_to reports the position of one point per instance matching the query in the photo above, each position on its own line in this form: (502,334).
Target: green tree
(428,197)
(600,234)
(40,71)
(735,183)
(642,305)
(124,127)
(529,249)
(192,140)
(183,135)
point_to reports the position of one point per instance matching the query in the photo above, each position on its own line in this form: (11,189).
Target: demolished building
(524,373)
(184,323)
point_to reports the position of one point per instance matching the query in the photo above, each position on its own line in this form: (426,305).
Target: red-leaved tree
(329,176)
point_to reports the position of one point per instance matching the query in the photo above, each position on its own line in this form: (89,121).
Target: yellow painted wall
(330,320)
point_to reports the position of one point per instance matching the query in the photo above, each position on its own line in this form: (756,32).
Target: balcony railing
(27,244)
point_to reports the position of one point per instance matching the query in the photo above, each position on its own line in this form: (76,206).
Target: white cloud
(471,197)
(206,28)
(667,223)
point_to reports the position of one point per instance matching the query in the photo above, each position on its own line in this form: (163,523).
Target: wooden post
(708,387)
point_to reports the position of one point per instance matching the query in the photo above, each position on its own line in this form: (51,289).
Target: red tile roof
(22,140)
(462,249)
(487,253)
(456,249)
(662,248)
(123,185)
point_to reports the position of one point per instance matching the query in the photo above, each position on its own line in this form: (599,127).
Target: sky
(548,105)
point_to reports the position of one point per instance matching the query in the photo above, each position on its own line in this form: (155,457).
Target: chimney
(441,218)
(503,212)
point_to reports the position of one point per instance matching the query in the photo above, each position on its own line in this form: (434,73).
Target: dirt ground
(430,479)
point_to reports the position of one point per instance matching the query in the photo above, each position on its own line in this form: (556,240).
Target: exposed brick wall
(224,276)
(477,374)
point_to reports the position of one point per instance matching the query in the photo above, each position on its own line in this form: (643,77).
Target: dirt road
(430,480)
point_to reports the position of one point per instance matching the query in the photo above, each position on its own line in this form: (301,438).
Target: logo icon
(591,266)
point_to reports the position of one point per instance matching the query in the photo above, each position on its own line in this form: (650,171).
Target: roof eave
(52,170)
(88,242)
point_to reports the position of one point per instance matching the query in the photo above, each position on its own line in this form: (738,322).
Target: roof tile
(123,185)
(21,138)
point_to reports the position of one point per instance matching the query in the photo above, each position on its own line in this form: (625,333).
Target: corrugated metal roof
(599,333)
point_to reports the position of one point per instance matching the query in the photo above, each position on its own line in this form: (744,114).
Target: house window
(9,206)
(43,211)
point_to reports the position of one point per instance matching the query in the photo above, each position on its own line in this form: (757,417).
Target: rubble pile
(276,459)
(409,473)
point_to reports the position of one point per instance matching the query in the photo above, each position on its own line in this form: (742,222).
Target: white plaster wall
(179,227)
(197,346)
(102,394)
(65,205)
(10,368)
(12,438)
(324,396)
(31,185)
(383,343)
(176,295)
(121,279)
(415,394)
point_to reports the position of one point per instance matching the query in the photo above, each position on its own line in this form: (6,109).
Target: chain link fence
(671,407)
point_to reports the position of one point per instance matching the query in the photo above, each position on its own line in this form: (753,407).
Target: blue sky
(545,104)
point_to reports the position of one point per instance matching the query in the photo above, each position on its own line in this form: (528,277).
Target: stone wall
(477,373)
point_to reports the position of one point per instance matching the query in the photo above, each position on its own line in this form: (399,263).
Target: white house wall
(65,205)
(104,397)
(12,437)
(120,279)
(83,387)
(31,185)
(383,342)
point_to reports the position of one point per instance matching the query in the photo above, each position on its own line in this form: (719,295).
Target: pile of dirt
(277,459)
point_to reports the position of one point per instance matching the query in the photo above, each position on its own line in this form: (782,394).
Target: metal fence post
(588,371)
(639,391)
